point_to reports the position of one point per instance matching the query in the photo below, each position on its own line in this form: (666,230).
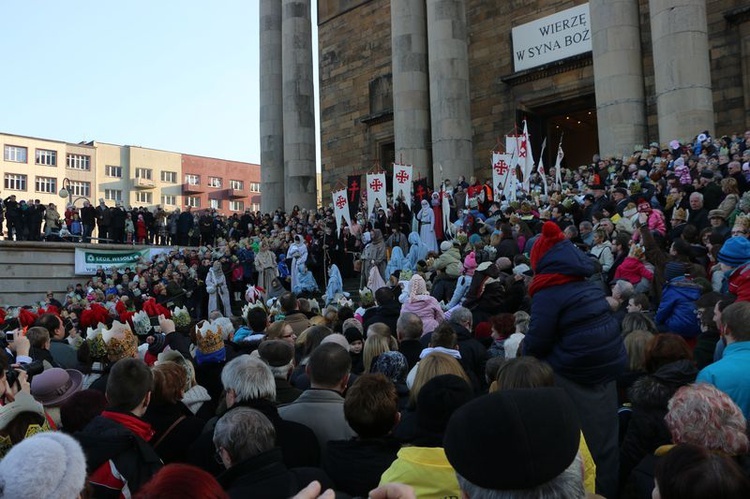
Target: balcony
(143,183)
(188,188)
(235,194)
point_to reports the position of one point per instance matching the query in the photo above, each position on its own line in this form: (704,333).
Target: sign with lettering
(561,35)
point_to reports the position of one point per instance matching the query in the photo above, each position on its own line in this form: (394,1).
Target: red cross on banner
(522,148)
(402,177)
(501,167)
(376,185)
(353,190)
(340,201)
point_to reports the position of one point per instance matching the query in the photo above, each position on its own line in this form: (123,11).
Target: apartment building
(34,168)
(227,186)
(137,176)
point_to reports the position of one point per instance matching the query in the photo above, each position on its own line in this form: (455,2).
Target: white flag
(558,162)
(375,191)
(540,168)
(500,173)
(526,156)
(402,182)
(341,208)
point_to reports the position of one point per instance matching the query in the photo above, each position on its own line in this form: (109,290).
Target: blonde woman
(374,346)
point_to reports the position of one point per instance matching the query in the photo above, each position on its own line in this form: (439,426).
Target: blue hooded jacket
(677,308)
(572,326)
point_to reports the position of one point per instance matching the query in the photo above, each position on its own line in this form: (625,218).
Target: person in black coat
(175,427)
(371,409)
(257,390)
(88,219)
(670,366)
(387,311)
(245,442)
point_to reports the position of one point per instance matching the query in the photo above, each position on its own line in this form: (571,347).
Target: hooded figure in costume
(426,224)
(417,251)
(265,264)
(397,262)
(373,256)
(216,285)
(305,282)
(298,253)
(572,328)
(335,284)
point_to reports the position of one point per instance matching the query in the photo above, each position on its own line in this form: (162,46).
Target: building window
(46,184)
(143,197)
(113,171)
(193,179)
(113,194)
(168,199)
(15,154)
(254,187)
(214,181)
(256,207)
(15,182)
(236,206)
(78,162)
(169,177)
(193,201)
(144,173)
(46,157)
(236,184)
(81,189)
(215,203)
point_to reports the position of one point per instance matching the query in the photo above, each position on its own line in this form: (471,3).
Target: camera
(32,369)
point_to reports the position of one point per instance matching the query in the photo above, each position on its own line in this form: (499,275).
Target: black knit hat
(353,334)
(514,439)
(438,399)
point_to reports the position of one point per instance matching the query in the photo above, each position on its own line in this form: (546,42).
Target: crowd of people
(589,340)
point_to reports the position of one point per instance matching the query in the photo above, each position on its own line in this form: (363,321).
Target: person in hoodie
(417,251)
(119,457)
(449,268)
(423,305)
(669,364)
(572,328)
(676,313)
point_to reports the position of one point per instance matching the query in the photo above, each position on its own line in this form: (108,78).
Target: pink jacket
(632,270)
(428,309)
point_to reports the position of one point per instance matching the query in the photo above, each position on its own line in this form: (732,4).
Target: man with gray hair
(249,382)
(533,453)
(586,231)
(245,441)
(408,332)
(697,214)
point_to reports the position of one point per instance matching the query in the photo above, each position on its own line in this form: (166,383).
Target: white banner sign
(375,191)
(88,261)
(341,208)
(563,34)
(402,182)
(500,173)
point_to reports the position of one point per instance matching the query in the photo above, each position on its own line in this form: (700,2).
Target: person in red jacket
(633,270)
(141,231)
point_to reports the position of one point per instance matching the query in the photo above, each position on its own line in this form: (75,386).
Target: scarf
(542,281)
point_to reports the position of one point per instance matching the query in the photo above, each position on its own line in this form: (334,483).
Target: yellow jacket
(427,470)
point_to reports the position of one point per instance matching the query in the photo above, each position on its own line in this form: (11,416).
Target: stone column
(682,69)
(618,76)
(411,92)
(450,109)
(299,113)
(271,120)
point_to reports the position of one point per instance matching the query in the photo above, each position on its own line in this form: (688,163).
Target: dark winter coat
(173,446)
(649,396)
(265,475)
(572,327)
(355,465)
(387,314)
(105,440)
(677,308)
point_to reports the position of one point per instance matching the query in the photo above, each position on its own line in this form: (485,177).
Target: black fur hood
(655,390)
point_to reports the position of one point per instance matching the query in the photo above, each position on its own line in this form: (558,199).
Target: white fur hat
(58,455)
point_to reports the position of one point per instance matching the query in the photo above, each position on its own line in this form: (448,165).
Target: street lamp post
(66,191)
